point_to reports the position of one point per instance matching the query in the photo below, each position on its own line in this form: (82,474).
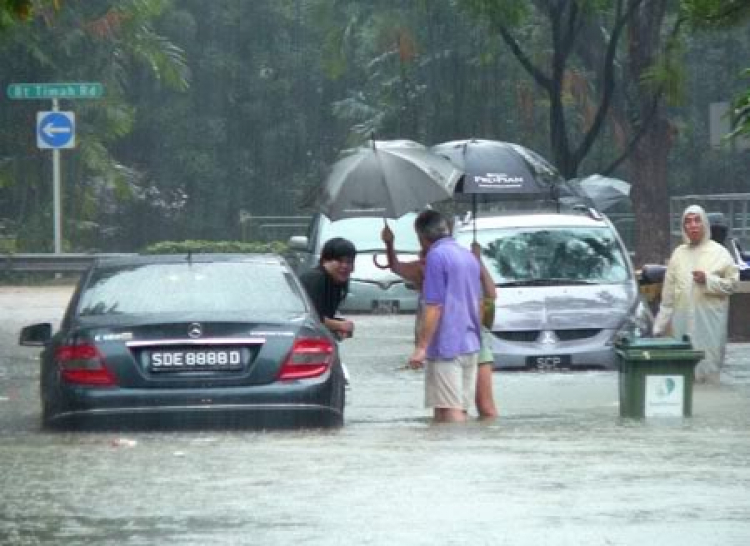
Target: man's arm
(314,284)
(722,282)
(488,284)
(341,328)
(410,271)
(430,319)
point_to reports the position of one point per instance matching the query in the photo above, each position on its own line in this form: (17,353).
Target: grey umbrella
(603,191)
(387,179)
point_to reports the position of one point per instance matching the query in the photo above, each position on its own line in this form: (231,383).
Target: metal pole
(56,191)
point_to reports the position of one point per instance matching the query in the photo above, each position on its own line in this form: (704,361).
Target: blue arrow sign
(55,130)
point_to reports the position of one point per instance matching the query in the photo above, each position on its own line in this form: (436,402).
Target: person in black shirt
(327,284)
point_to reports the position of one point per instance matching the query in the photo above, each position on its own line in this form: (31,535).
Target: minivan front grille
(581,333)
(530,336)
(523,336)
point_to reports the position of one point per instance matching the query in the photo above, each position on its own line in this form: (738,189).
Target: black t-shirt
(325,294)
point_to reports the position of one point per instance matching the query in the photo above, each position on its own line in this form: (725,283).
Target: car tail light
(310,357)
(83,365)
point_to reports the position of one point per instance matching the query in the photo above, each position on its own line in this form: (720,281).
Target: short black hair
(338,248)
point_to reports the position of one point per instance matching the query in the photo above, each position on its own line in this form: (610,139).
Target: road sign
(55,90)
(55,130)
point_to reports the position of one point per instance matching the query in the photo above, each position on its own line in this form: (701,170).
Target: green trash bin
(656,377)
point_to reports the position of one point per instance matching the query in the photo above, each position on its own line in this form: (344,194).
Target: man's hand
(699,277)
(386,235)
(341,328)
(476,249)
(417,358)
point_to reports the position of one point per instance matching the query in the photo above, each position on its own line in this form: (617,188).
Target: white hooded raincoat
(699,310)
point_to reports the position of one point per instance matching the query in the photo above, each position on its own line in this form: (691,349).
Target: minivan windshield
(538,254)
(365,232)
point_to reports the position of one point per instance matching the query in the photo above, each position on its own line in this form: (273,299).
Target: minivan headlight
(640,323)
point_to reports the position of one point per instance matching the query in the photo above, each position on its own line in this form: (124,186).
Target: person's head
(695,225)
(431,226)
(337,258)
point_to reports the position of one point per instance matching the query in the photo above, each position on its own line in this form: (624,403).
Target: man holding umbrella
(413,271)
(448,337)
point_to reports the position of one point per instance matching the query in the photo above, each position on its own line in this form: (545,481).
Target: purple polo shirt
(451,280)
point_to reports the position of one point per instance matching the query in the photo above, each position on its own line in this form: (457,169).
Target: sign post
(55,130)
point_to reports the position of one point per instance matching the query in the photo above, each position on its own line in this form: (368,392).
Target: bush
(222,247)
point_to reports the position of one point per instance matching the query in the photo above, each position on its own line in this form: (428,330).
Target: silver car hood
(366,271)
(563,307)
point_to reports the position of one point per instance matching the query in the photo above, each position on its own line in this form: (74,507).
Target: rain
(158,126)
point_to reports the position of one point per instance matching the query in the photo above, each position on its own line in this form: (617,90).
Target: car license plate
(385,306)
(194,360)
(548,362)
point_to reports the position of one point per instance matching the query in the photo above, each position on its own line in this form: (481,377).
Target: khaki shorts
(451,383)
(485,348)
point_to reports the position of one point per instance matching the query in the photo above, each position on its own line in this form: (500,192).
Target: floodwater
(557,467)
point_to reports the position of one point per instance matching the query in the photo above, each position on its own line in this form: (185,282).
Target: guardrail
(52,263)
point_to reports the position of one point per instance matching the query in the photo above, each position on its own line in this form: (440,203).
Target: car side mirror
(298,242)
(35,335)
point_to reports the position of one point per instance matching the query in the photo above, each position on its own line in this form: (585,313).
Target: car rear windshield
(239,287)
(569,253)
(365,233)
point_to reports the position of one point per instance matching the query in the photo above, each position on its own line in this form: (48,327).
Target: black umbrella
(496,170)
(387,179)
(603,191)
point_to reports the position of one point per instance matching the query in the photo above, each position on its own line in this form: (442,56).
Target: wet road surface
(558,467)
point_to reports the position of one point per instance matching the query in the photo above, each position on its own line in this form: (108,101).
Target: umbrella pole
(474,214)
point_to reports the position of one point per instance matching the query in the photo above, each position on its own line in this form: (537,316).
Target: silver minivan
(566,289)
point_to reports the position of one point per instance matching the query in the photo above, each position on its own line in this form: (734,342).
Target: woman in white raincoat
(700,277)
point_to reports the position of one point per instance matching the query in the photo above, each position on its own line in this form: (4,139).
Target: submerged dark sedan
(189,340)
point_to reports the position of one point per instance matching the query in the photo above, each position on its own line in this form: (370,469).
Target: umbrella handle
(375,256)
(380,266)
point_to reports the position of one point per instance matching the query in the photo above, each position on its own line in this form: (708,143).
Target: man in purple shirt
(448,338)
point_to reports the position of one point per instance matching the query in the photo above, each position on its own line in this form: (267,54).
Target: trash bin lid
(658,348)
(654,343)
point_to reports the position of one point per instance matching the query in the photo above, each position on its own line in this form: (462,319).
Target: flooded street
(557,467)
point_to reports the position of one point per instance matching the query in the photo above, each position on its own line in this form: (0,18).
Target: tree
(722,14)
(627,54)
(110,40)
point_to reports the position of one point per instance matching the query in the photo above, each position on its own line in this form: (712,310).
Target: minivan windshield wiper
(545,282)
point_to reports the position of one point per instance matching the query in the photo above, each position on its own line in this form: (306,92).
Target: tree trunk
(648,162)
(650,195)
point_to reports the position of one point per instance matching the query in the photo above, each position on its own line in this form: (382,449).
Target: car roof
(378,220)
(146,259)
(532,220)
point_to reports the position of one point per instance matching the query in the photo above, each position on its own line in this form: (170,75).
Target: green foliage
(509,13)
(116,43)
(715,14)
(667,75)
(217,109)
(742,112)
(223,247)
(14,11)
